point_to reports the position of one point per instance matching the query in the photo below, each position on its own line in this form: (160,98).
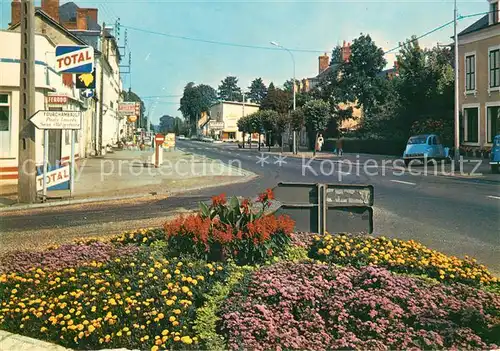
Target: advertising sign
(74,59)
(127,108)
(57,120)
(85,81)
(55,177)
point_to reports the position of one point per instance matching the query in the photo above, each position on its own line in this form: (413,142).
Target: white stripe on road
(494,197)
(401,182)
(238,155)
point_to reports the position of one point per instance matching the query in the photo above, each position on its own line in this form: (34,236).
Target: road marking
(401,182)
(238,155)
(494,197)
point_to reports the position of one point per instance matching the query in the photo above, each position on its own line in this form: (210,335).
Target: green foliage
(229,90)
(277,100)
(195,100)
(317,114)
(297,119)
(296,254)
(207,318)
(257,91)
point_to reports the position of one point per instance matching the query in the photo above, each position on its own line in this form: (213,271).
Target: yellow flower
(165,332)
(119,333)
(171,319)
(43,329)
(91,328)
(177,311)
(175,323)
(161,315)
(154,348)
(146,337)
(14,291)
(170,302)
(185,289)
(187,340)
(177,271)
(177,338)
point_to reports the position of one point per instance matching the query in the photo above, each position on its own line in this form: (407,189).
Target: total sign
(74,59)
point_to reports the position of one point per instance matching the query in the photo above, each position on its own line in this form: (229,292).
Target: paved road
(455,215)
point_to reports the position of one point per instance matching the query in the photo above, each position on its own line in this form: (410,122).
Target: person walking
(340,146)
(320,142)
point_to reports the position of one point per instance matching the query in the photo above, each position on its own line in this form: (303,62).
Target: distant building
(223,120)
(479,69)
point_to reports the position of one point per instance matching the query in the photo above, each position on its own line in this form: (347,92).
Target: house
(47,83)
(81,26)
(223,119)
(479,82)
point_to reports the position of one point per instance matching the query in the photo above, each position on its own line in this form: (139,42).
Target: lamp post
(294,92)
(457,103)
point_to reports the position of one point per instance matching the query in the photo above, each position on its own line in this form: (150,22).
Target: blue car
(495,155)
(424,148)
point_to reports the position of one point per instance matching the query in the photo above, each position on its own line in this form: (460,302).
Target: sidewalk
(127,174)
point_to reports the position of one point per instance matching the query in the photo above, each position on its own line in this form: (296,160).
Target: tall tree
(317,115)
(229,90)
(195,100)
(245,127)
(257,91)
(268,121)
(277,100)
(360,76)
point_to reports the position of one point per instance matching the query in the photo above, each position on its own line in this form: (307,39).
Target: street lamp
(294,92)
(457,103)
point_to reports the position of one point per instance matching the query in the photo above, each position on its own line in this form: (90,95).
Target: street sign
(318,208)
(160,138)
(87,93)
(57,120)
(127,108)
(86,80)
(216,125)
(53,178)
(74,59)
(57,99)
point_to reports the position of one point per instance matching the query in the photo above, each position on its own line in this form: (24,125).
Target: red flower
(219,200)
(246,206)
(268,195)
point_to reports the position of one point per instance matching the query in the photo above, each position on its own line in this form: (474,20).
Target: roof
(47,18)
(68,11)
(480,24)
(236,103)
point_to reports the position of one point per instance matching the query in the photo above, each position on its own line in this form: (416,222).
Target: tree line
(417,96)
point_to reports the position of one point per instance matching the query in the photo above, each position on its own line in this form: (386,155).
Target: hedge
(369,146)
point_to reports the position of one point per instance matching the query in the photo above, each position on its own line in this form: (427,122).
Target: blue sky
(163,66)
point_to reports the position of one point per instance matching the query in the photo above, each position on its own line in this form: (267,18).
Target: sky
(162,65)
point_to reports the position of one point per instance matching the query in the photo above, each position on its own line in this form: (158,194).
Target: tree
(254,125)
(167,124)
(277,100)
(317,115)
(244,126)
(195,100)
(229,90)
(288,85)
(268,121)
(282,123)
(336,56)
(360,76)
(257,91)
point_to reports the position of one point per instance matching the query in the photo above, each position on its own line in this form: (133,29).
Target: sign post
(159,139)
(47,120)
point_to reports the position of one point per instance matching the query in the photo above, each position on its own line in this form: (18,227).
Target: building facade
(224,117)
(47,83)
(479,72)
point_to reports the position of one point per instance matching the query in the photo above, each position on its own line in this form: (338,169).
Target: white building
(225,116)
(47,82)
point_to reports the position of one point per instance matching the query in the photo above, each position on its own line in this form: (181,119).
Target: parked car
(424,148)
(207,139)
(495,155)
(181,137)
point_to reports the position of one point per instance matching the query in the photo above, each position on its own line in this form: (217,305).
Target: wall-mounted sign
(74,59)
(127,108)
(85,80)
(57,99)
(132,119)
(57,120)
(216,125)
(55,177)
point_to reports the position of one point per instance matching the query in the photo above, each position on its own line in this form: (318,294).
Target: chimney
(15,15)
(81,19)
(92,13)
(51,8)
(346,52)
(324,61)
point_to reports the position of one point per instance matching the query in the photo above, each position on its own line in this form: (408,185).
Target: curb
(9,341)
(249,176)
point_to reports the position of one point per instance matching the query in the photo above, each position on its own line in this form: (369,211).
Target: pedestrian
(320,142)
(340,146)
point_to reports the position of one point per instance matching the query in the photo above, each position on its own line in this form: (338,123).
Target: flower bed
(316,307)
(155,289)
(399,256)
(136,303)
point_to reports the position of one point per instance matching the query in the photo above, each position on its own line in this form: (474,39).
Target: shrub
(233,230)
(61,257)
(134,302)
(392,147)
(317,307)
(399,256)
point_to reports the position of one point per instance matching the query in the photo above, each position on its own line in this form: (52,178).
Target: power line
(160,96)
(216,41)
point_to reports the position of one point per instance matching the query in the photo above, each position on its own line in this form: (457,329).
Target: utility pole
(26,186)
(101,93)
(457,102)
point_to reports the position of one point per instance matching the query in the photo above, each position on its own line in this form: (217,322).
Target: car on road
(495,155)
(207,139)
(181,137)
(424,148)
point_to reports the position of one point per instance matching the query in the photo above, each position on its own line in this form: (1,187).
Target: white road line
(494,197)
(238,155)
(401,182)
